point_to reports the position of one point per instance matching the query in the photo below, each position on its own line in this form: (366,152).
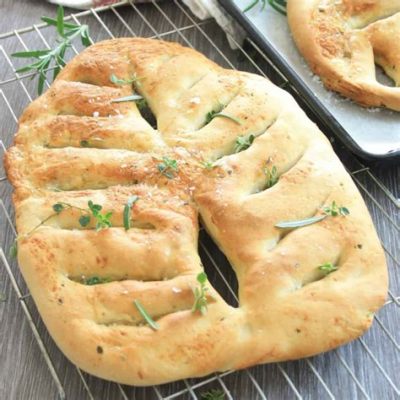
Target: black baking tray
(372,134)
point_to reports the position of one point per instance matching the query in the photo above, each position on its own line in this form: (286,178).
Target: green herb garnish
(13,251)
(334,210)
(102,220)
(216,114)
(243,143)
(67,32)
(84,143)
(168,167)
(327,268)
(272,177)
(330,211)
(213,394)
(127,211)
(145,315)
(209,165)
(95,280)
(300,223)
(200,299)
(132,97)
(120,82)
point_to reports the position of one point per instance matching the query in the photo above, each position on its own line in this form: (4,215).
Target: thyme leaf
(168,167)
(243,143)
(199,292)
(127,211)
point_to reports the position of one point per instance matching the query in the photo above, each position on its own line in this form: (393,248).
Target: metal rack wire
(331,375)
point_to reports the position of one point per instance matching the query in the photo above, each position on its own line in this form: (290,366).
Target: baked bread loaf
(229,146)
(343,40)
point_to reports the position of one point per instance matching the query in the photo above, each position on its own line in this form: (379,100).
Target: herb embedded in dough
(327,268)
(95,280)
(168,167)
(243,143)
(120,82)
(272,177)
(209,165)
(145,315)
(127,211)
(216,114)
(200,299)
(67,32)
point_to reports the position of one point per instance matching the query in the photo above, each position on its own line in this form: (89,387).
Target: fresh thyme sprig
(243,143)
(327,268)
(213,394)
(127,211)
(168,167)
(199,292)
(329,211)
(93,211)
(334,210)
(271,175)
(67,32)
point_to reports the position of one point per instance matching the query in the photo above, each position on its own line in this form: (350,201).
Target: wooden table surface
(367,367)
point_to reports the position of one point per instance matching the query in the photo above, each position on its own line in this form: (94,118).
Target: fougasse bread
(230,148)
(342,40)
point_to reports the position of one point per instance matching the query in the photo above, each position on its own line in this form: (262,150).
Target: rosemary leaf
(127,211)
(145,315)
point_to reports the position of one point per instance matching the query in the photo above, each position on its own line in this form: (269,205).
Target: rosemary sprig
(200,299)
(132,97)
(67,32)
(127,211)
(145,315)
(329,211)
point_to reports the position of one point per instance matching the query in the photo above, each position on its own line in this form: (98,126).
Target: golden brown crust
(343,40)
(288,308)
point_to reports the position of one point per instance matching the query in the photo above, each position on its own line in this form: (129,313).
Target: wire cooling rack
(33,367)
